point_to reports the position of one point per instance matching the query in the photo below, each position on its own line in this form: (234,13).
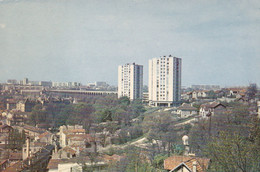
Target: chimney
(78,152)
(56,148)
(185,140)
(194,166)
(27,147)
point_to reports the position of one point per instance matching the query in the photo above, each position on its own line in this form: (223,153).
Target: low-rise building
(211,108)
(69,130)
(186,164)
(33,148)
(198,94)
(186,110)
(31,131)
(14,117)
(11,104)
(45,137)
(25,105)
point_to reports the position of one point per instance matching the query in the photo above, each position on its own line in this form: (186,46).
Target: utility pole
(209,115)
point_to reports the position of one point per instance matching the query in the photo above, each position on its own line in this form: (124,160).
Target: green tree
(124,100)
(233,152)
(38,115)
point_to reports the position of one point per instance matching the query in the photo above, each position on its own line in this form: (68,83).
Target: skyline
(85,41)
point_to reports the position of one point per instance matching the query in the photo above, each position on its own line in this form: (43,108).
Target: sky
(86,40)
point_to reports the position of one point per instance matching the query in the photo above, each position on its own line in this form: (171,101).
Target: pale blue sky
(85,40)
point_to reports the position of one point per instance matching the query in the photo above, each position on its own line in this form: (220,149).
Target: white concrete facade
(130,81)
(164,81)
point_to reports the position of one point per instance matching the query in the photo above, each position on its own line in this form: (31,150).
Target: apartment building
(130,81)
(165,81)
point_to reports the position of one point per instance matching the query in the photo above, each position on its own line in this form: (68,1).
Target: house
(65,153)
(198,94)
(34,147)
(69,130)
(15,117)
(45,137)
(72,164)
(3,140)
(4,164)
(31,131)
(186,164)
(242,100)
(15,156)
(25,105)
(11,104)
(5,130)
(236,92)
(186,96)
(64,165)
(211,108)
(186,110)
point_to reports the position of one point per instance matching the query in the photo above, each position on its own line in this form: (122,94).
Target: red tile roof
(174,161)
(16,156)
(44,134)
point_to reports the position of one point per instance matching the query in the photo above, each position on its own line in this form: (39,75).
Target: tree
(160,128)
(38,115)
(251,91)
(83,114)
(134,160)
(233,152)
(211,94)
(124,100)
(235,119)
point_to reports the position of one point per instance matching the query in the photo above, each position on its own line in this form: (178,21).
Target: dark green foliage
(251,91)
(134,160)
(127,134)
(211,94)
(236,119)
(160,127)
(38,115)
(124,101)
(233,152)
(95,110)
(158,160)
(230,140)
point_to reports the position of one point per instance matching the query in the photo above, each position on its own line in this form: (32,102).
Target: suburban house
(186,164)
(186,110)
(236,92)
(211,108)
(197,94)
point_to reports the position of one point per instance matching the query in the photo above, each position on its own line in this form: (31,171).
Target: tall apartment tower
(130,81)
(164,81)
